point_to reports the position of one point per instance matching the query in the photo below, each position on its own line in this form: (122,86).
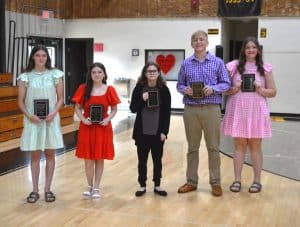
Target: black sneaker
(140,193)
(160,192)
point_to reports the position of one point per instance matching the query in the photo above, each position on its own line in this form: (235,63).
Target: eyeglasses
(152,71)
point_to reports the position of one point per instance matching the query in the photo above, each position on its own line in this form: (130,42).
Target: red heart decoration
(165,63)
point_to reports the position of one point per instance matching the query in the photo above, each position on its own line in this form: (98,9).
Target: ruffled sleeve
(268,67)
(23,77)
(57,74)
(232,67)
(113,98)
(79,94)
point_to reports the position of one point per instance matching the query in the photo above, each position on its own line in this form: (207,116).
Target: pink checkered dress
(247,113)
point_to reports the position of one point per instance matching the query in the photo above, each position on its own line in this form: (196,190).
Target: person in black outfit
(151,101)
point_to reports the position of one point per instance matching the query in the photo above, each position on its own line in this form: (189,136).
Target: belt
(196,105)
(201,105)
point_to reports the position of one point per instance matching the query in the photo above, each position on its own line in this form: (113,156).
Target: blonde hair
(199,33)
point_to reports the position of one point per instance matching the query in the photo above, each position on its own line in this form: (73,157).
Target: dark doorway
(234,49)
(79,55)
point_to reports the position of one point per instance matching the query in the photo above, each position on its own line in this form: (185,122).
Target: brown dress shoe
(216,190)
(187,188)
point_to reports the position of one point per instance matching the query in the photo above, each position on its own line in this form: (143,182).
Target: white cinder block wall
(281,48)
(120,36)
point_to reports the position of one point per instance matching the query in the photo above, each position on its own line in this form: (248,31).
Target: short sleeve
(268,67)
(113,98)
(232,67)
(79,94)
(57,74)
(23,77)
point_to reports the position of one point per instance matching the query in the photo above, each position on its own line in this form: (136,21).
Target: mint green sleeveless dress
(43,135)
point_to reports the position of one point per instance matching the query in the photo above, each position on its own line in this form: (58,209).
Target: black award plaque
(198,90)
(96,113)
(248,83)
(153,98)
(41,108)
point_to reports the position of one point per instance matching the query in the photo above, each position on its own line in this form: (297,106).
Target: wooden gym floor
(277,205)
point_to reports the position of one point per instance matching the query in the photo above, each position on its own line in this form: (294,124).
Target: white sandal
(89,191)
(96,193)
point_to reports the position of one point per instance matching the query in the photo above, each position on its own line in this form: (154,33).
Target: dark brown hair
(258,58)
(89,81)
(143,79)
(31,63)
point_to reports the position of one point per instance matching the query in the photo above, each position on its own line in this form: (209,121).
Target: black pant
(146,144)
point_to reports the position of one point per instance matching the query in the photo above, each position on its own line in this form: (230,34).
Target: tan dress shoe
(216,190)
(187,188)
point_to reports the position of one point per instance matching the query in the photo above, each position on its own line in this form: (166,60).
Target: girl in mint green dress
(41,81)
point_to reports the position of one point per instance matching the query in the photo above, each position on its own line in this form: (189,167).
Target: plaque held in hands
(198,90)
(153,98)
(96,113)
(41,108)
(248,83)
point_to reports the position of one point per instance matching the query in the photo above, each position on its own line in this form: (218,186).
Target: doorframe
(230,26)
(89,59)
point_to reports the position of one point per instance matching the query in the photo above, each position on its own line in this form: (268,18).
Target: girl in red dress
(95,139)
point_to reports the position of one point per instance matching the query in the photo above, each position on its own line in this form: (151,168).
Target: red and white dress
(247,113)
(95,141)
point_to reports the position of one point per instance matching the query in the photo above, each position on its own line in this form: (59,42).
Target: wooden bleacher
(6,79)
(11,118)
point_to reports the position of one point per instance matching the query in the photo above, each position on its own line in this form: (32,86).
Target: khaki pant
(206,119)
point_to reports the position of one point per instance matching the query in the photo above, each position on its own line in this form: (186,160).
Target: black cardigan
(137,104)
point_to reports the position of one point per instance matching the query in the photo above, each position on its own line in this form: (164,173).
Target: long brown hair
(31,63)
(89,81)
(143,79)
(258,58)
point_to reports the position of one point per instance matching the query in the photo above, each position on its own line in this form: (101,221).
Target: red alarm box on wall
(195,4)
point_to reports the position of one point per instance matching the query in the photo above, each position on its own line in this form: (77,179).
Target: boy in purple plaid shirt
(202,114)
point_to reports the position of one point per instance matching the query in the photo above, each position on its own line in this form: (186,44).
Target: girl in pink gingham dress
(247,117)
(247,114)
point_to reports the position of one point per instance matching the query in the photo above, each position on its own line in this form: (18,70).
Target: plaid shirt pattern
(211,71)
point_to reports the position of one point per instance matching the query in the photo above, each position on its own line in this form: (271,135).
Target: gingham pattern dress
(247,113)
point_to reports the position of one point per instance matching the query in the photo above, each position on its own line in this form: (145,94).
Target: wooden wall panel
(281,8)
(8,91)
(208,8)
(6,78)
(65,8)
(11,122)
(66,111)
(9,135)
(73,9)
(34,7)
(8,105)
(137,8)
